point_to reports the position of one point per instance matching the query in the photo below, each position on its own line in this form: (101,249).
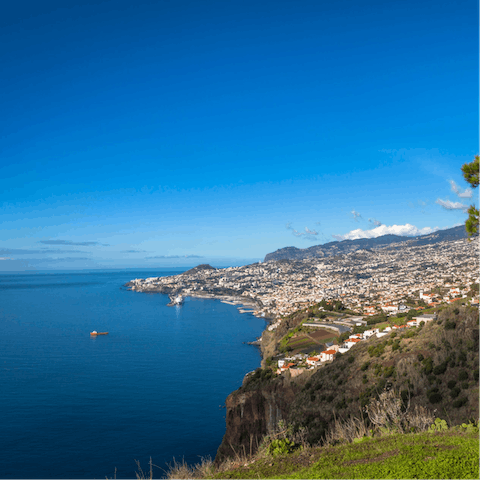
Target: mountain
(345,246)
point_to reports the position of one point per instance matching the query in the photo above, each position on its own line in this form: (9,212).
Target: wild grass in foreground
(394,442)
(419,455)
(438,453)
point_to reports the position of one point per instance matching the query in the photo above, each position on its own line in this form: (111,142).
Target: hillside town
(298,363)
(367,282)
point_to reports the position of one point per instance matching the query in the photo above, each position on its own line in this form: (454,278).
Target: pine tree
(470,173)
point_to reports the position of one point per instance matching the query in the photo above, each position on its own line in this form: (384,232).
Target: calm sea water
(72,406)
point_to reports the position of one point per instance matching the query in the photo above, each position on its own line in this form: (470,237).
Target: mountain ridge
(345,246)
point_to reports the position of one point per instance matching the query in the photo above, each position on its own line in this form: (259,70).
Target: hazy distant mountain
(345,246)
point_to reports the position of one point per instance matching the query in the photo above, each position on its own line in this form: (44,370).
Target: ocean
(73,406)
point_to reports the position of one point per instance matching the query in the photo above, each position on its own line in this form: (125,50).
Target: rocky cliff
(434,366)
(252,412)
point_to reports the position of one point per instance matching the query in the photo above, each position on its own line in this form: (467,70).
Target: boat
(178,300)
(95,333)
(175,301)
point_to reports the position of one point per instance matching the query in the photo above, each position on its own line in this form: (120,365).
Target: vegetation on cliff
(434,366)
(430,449)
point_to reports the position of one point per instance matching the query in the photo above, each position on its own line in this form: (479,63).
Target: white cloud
(406,230)
(307,234)
(448,205)
(355,215)
(6,258)
(377,223)
(467,193)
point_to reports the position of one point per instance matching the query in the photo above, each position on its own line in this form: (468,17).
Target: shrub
(440,369)
(463,375)
(428,365)
(389,371)
(475,375)
(460,402)
(376,351)
(381,384)
(365,366)
(465,385)
(280,447)
(450,325)
(351,359)
(330,398)
(435,398)
(420,357)
(439,426)
(455,392)
(451,384)
(462,357)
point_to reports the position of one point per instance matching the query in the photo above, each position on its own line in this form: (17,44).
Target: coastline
(241,302)
(234,300)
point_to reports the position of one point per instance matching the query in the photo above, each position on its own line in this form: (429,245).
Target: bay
(73,406)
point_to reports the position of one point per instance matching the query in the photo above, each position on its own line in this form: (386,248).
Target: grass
(421,455)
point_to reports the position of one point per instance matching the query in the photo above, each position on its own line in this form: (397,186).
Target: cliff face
(251,414)
(434,366)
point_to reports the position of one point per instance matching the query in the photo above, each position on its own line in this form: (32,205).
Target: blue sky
(158,133)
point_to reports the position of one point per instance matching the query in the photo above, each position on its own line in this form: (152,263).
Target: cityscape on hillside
(366,281)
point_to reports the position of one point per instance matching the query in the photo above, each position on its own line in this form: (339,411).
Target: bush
(462,356)
(376,351)
(460,402)
(351,359)
(465,385)
(439,426)
(281,447)
(451,384)
(389,371)
(420,357)
(475,375)
(440,369)
(435,398)
(455,392)
(428,366)
(366,365)
(381,384)
(450,325)
(463,375)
